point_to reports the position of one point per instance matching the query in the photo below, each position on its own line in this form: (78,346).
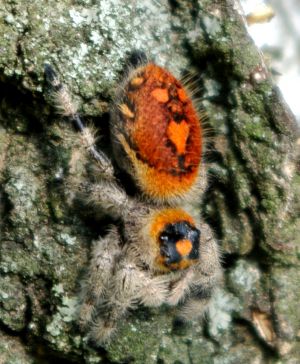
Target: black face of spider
(179,245)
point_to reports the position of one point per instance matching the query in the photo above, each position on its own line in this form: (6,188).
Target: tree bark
(252,201)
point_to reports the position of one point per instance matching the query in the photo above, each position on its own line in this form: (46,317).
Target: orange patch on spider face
(160,94)
(126,111)
(165,156)
(178,134)
(184,247)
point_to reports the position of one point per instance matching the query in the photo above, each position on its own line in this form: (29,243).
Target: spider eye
(179,242)
(163,237)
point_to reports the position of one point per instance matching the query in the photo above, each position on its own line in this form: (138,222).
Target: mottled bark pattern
(252,203)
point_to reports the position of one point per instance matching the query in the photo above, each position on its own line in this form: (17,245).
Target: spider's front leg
(206,276)
(193,292)
(129,285)
(64,104)
(121,295)
(107,196)
(93,288)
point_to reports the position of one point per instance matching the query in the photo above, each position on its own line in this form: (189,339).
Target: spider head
(177,240)
(179,245)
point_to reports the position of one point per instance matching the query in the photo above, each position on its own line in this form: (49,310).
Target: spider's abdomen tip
(162,131)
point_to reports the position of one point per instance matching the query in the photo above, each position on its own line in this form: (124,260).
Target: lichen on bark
(252,201)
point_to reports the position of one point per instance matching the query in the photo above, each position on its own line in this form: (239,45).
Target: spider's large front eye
(179,245)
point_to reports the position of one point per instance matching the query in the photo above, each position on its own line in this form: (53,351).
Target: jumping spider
(162,253)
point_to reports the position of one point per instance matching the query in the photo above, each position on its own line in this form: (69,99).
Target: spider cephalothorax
(160,253)
(177,239)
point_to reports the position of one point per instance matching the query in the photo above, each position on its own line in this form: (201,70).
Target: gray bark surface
(252,203)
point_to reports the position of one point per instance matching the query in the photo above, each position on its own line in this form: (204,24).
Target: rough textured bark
(252,203)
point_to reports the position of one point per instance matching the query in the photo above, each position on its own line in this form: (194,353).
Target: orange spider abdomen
(161,132)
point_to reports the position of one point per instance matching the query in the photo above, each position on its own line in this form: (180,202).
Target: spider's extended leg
(106,195)
(121,295)
(67,107)
(129,286)
(198,296)
(94,286)
(195,306)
